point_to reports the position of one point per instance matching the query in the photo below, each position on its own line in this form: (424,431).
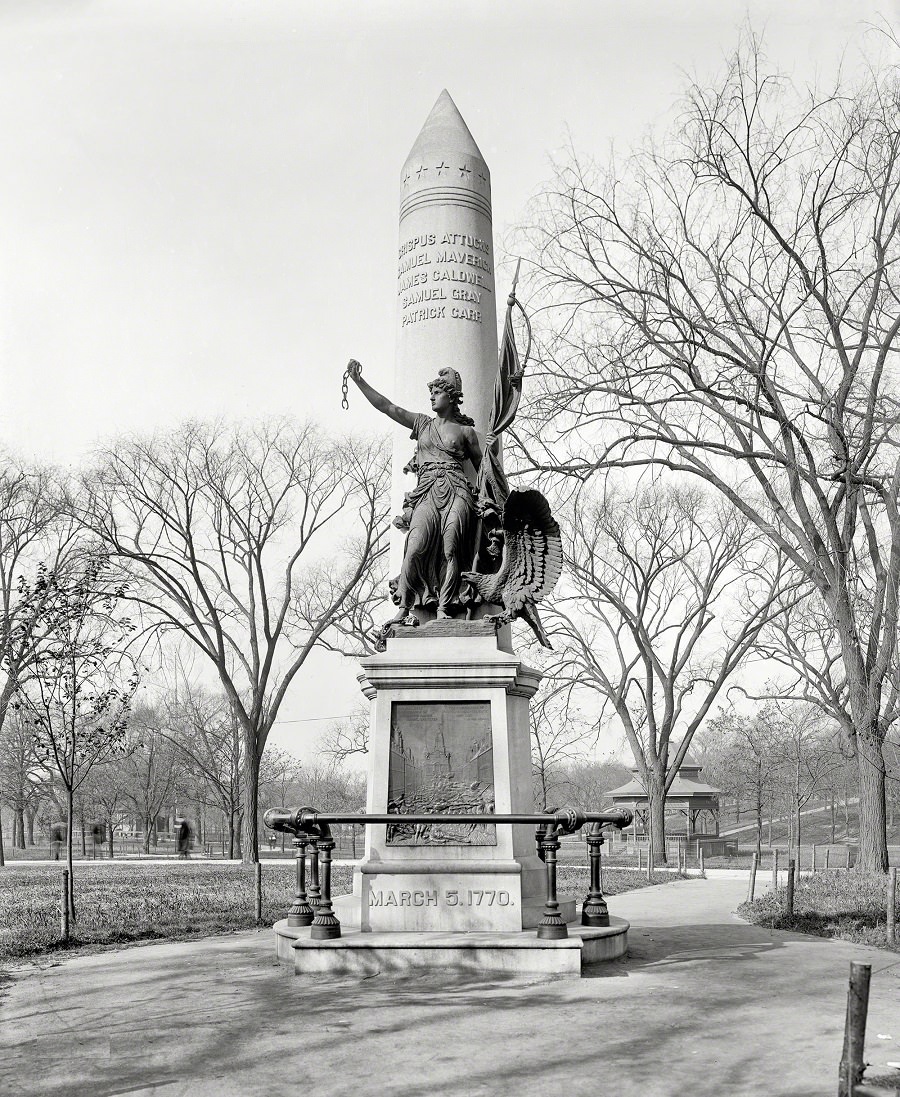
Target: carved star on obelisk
(465,171)
(441,168)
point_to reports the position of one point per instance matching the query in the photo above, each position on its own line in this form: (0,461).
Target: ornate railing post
(594,911)
(551,927)
(314,892)
(301,913)
(325,924)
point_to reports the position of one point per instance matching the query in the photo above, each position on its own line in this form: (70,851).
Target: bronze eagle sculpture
(531,562)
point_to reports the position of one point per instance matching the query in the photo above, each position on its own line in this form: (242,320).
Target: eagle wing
(534,549)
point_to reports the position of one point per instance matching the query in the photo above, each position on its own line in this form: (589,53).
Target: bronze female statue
(439,513)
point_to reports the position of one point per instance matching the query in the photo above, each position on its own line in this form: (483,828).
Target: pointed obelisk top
(444,130)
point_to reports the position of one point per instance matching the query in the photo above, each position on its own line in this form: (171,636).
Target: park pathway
(703,1005)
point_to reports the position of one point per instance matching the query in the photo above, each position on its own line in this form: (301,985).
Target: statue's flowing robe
(440,511)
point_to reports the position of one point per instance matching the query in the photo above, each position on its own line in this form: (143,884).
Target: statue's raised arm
(381,403)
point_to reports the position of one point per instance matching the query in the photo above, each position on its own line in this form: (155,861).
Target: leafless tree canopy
(725,304)
(229,534)
(664,596)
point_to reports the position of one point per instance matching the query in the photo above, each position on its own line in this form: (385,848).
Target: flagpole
(512,292)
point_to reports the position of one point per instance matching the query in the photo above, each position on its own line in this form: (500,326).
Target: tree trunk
(2,851)
(831,799)
(797,828)
(250,837)
(656,792)
(759,826)
(30,817)
(873,853)
(543,774)
(147,824)
(18,835)
(232,833)
(70,836)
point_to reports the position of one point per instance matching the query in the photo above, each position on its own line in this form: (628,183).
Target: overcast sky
(198,198)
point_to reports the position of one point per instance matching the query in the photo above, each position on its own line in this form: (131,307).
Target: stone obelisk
(447,311)
(449,718)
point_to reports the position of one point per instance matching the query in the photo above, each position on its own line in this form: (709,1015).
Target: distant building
(692,807)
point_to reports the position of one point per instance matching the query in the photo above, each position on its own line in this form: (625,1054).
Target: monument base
(367,954)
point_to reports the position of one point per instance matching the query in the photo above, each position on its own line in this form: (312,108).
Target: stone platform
(365,954)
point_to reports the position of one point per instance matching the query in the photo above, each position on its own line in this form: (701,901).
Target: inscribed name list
(443,275)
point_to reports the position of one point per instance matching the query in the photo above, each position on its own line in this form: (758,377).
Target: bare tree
(148,768)
(280,775)
(105,794)
(560,735)
(738,757)
(332,787)
(221,528)
(29,507)
(347,737)
(78,698)
(663,598)
(725,305)
(589,782)
(205,736)
(29,516)
(23,781)
(800,754)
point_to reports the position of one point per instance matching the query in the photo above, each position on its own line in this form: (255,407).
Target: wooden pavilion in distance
(692,807)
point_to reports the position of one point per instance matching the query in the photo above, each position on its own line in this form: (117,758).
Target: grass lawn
(851,906)
(137,902)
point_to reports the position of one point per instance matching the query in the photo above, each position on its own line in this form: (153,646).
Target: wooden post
(892,908)
(814,866)
(650,862)
(827,858)
(852,1065)
(258,870)
(702,869)
(789,893)
(64,906)
(775,869)
(848,856)
(752,887)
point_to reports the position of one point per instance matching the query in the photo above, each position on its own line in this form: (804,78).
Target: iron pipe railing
(313,842)
(571,819)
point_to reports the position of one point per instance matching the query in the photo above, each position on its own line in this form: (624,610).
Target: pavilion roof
(686,786)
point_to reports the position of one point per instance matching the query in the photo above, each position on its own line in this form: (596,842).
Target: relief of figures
(441,761)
